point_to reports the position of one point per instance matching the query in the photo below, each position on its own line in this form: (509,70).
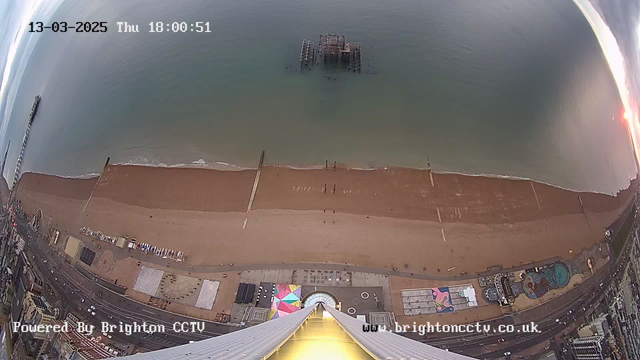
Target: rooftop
(40,304)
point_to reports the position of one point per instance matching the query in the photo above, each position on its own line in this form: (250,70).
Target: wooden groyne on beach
(32,115)
(255,188)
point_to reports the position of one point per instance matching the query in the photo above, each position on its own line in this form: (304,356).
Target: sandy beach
(383,218)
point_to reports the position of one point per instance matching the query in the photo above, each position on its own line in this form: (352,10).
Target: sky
(623,19)
(616,24)
(16,45)
(14,15)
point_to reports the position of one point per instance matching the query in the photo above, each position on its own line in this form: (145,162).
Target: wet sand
(383,218)
(180,189)
(410,194)
(77,189)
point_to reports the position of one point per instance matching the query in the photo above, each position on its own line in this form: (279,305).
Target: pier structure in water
(333,49)
(34,109)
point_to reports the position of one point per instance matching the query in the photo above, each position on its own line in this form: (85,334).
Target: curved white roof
(256,342)
(387,345)
(260,341)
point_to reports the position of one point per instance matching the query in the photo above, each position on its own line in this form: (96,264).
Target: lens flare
(616,62)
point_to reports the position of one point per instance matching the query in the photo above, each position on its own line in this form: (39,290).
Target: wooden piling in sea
(307,54)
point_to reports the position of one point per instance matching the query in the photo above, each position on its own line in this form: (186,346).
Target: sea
(501,87)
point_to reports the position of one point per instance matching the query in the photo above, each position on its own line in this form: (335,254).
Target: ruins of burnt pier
(333,49)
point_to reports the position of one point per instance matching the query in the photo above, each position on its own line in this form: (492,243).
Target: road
(72,288)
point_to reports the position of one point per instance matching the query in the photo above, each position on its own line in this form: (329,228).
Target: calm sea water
(507,87)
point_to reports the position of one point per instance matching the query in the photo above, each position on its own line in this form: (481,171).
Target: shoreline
(224,166)
(438,190)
